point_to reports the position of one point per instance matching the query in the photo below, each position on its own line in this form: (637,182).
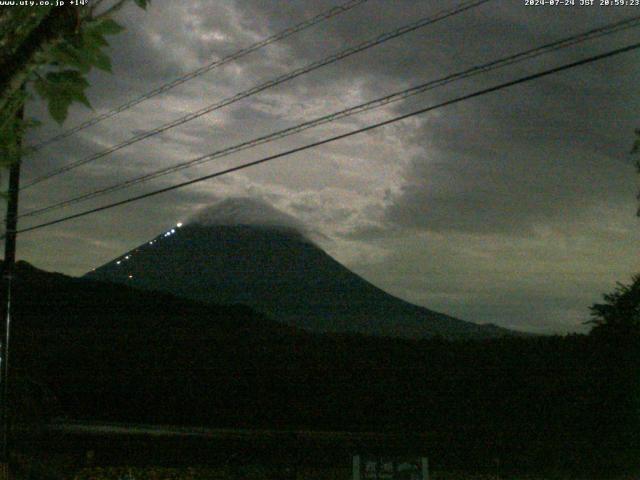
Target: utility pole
(7,285)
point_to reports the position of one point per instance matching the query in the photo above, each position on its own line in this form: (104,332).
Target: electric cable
(332,12)
(324,141)
(370,105)
(423,22)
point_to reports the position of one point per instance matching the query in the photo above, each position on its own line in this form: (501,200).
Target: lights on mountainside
(168,233)
(130,276)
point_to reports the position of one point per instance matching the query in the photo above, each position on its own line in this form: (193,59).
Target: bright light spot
(118,262)
(130,276)
(173,230)
(127,257)
(179,224)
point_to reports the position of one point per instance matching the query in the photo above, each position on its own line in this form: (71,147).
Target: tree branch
(58,23)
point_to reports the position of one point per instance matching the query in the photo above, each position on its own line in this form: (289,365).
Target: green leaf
(82,98)
(102,61)
(93,39)
(58,107)
(104,26)
(70,84)
(142,3)
(60,90)
(70,56)
(67,77)
(42,88)
(88,54)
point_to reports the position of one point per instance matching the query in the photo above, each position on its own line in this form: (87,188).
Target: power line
(377,103)
(332,12)
(464,6)
(243,166)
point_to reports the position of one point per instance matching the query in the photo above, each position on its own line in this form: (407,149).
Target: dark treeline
(539,404)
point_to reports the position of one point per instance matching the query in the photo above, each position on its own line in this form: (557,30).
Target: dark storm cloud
(482,34)
(539,153)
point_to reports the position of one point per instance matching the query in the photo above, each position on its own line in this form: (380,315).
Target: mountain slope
(279,272)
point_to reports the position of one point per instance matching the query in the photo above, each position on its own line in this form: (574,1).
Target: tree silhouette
(620,312)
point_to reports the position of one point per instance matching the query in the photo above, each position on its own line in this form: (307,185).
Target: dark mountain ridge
(280,273)
(114,353)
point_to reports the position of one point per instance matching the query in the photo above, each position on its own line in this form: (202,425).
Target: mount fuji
(244,252)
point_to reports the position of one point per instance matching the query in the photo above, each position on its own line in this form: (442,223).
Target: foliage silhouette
(619,315)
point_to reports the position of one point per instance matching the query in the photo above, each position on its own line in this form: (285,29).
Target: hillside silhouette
(110,352)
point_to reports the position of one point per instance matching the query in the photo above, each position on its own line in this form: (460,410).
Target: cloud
(510,162)
(245,211)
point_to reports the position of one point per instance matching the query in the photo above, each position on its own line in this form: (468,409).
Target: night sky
(516,208)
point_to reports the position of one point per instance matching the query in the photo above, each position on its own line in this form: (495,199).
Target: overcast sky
(515,208)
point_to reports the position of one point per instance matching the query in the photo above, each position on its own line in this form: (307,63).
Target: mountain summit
(275,269)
